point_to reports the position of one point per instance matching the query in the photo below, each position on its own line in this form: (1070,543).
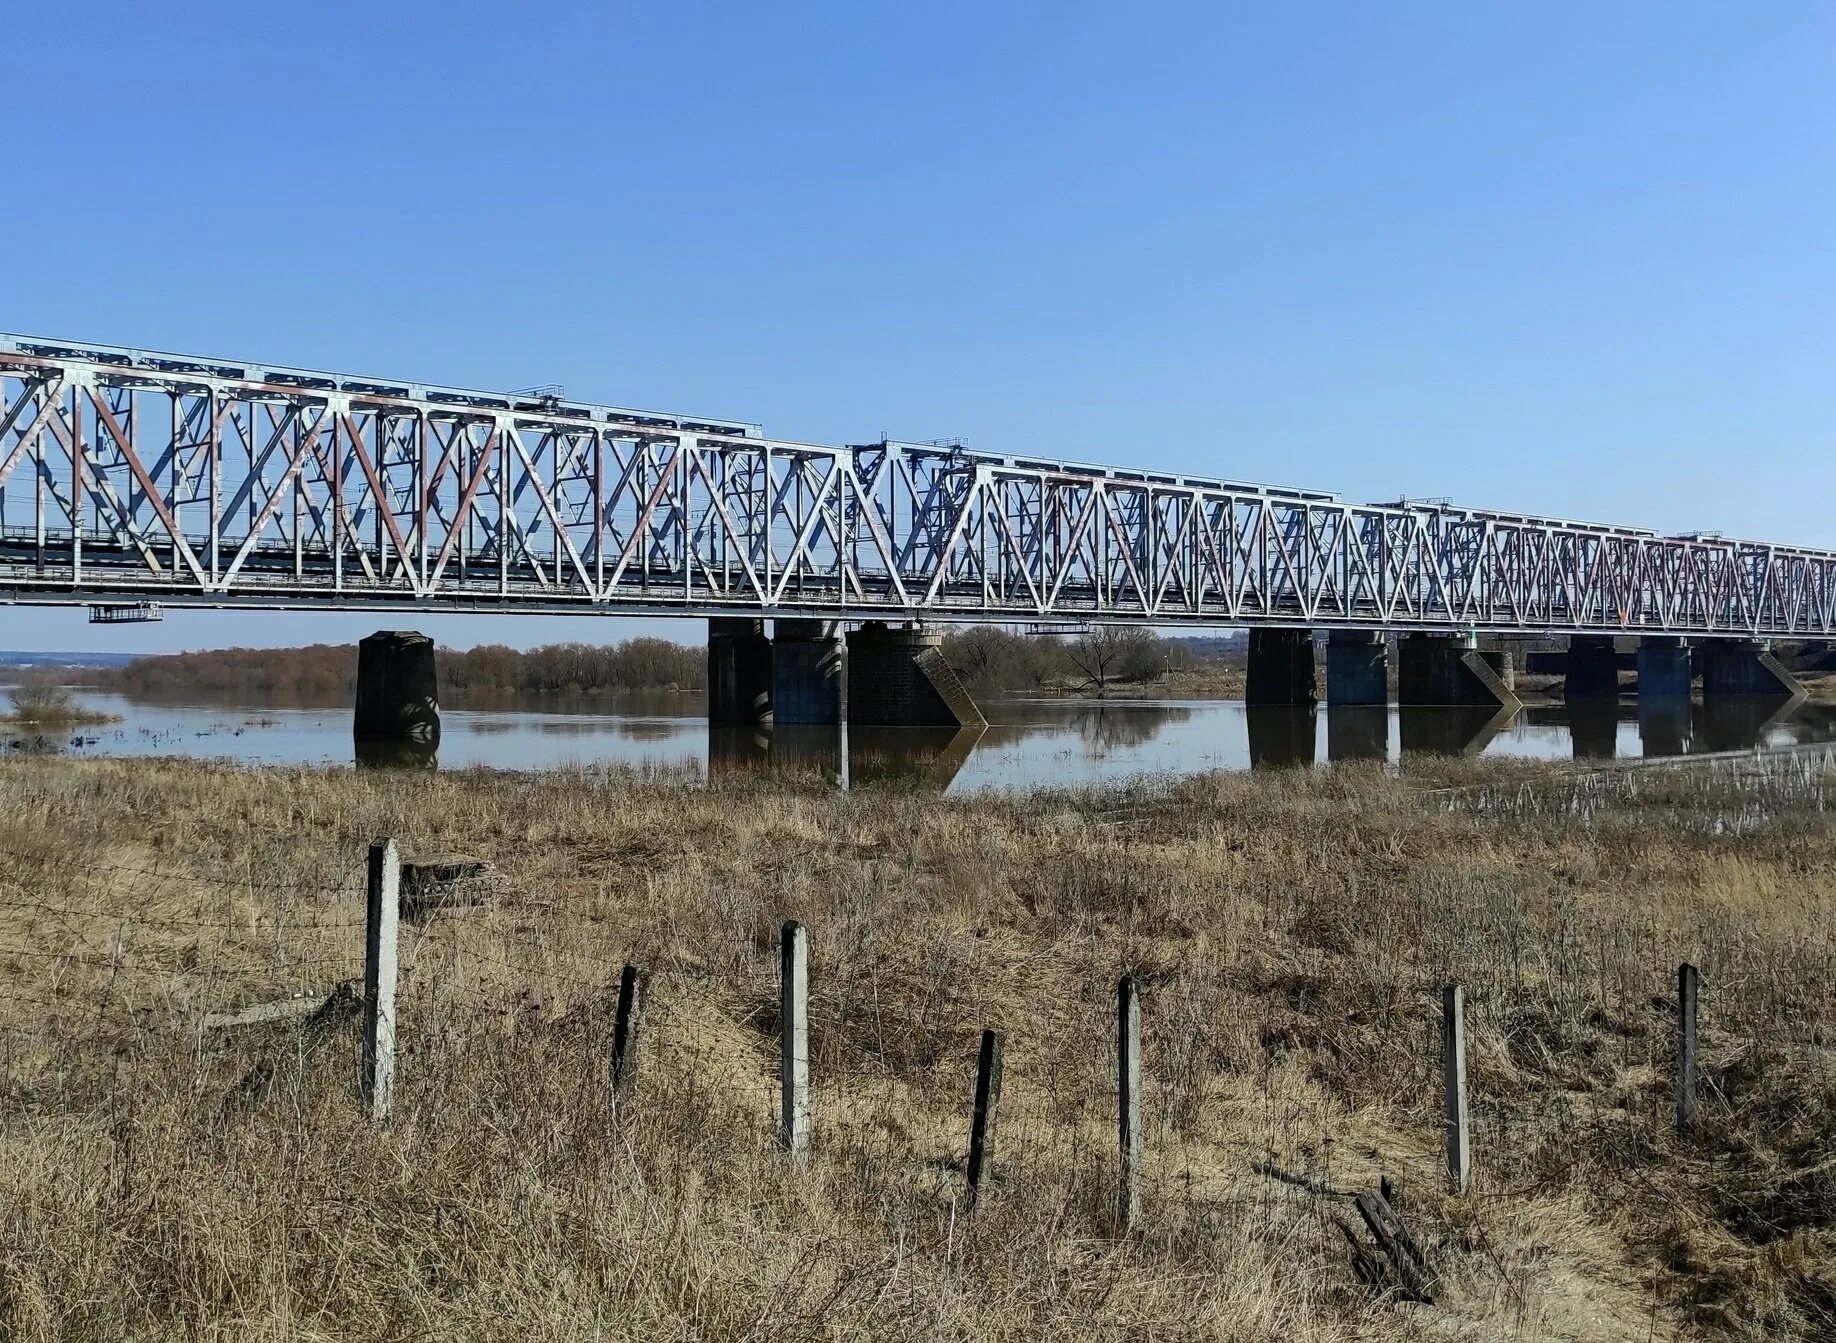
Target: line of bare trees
(328,672)
(988,658)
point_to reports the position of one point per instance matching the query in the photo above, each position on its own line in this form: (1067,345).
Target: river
(1029,742)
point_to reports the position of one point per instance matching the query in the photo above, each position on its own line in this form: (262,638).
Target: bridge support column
(1744,667)
(1593,668)
(739,671)
(899,678)
(1357,668)
(1663,668)
(1280,667)
(1438,669)
(806,672)
(398,692)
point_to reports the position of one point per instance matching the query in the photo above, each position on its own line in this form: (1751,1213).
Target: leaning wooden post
(1453,1075)
(1128,1096)
(624,1035)
(1688,984)
(794,1036)
(381,923)
(987,1101)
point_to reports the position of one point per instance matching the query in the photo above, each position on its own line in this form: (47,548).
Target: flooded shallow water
(1028,743)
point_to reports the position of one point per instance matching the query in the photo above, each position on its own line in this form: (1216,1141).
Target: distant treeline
(994,659)
(329,671)
(987,658)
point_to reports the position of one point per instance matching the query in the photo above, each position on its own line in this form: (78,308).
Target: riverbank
(1290,932)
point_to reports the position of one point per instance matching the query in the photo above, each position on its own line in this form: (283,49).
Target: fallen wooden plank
(284,1009)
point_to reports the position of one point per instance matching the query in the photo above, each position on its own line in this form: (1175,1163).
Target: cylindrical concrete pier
(739,671)
(806,672)
(398,694)
(1281,669)
(1357,667)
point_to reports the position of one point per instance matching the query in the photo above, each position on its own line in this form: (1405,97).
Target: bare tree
(41,700)
(1112,653)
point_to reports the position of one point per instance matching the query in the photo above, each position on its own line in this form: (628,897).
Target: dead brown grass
(1290,932)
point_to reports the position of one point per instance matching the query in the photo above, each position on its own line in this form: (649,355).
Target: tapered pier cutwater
(900,678)
(1744,667)
(1453,671)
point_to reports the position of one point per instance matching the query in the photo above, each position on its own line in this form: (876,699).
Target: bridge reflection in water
(1051,743)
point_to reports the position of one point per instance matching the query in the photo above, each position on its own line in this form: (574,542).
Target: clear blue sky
(1574,258)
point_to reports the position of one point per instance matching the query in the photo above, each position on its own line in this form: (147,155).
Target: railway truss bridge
(134,478)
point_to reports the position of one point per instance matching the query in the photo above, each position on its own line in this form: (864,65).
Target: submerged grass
(1290,932)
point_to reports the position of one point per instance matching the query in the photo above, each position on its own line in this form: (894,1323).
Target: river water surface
(1029,742)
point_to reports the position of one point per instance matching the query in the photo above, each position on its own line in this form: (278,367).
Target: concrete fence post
(982,1120)
(794,1036)
(1128,1097)
(1688,986)
(624,1034)
(1453,1077)
(382,914)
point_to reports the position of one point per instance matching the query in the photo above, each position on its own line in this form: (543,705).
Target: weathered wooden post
(624,1034)
(1688,985)
(381,921)
(1128,1097)
(794,1036)
(987,1101)
(1453,1076)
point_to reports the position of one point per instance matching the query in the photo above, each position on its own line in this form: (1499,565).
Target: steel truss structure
(134,475)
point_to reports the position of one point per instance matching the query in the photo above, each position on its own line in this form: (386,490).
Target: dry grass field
(1290,931)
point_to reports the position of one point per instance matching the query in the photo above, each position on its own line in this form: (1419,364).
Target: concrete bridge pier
(739,671)
(1593,668)
(1663,668)
(1357,667)
(398,695)
(1744,667)
(807,659)
(900,678)
(1453,670)
(1281,667)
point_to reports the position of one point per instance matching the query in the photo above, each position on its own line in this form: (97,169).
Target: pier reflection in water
(859,757)
(1139,738)
(1032,743)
